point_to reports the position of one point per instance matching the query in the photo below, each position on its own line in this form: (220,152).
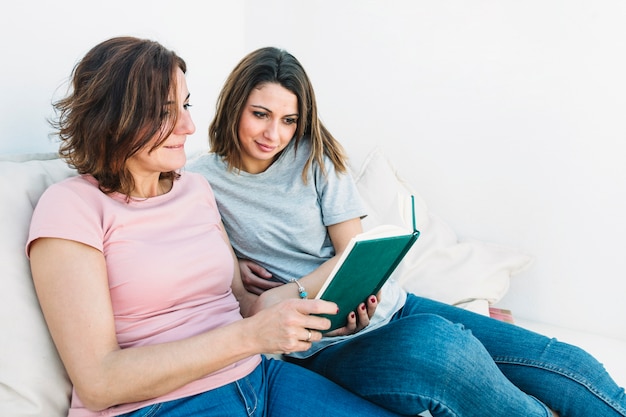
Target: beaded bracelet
(301,290)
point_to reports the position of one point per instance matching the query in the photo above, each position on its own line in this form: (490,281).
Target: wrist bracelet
(301,290)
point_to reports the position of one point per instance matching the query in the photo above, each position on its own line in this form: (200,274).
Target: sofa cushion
(32,379)
(439,266)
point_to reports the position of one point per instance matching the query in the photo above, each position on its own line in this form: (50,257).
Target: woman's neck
(148,189)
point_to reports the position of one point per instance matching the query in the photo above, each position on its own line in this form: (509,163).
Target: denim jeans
(273,389)
(457,363)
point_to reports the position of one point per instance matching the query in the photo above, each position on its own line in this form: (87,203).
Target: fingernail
(352,315)
(373,300)
(362,306)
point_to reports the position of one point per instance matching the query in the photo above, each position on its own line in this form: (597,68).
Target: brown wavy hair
(118,100)
(271,65)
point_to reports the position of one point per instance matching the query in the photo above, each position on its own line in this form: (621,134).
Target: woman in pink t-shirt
(135,274)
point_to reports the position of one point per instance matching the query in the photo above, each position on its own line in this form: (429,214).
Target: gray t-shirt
(276,220)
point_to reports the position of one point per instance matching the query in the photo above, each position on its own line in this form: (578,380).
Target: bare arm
(340,235)
(72,287)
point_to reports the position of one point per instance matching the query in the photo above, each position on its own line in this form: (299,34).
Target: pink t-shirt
(170,271)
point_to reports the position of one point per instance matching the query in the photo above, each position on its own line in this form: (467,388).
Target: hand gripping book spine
(364,266)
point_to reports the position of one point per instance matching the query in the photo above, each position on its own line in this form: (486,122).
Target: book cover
(365,265)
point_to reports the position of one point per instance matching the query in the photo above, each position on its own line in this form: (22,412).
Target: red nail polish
(363,307)
(373,300)
(352,315)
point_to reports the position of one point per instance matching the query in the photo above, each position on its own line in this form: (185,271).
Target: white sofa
(471,274)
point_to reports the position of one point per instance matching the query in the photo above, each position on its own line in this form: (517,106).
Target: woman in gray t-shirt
(290,207)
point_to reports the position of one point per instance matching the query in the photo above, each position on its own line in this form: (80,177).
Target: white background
(507,116)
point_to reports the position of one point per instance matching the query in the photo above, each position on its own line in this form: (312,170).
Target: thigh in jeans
(242,398)
(423,361)
(565,377)
(296,391)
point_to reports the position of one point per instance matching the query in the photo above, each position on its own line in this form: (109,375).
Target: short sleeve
(66,211)
(339,197)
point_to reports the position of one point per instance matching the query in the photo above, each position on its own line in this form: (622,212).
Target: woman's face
(170,155)
(268,123)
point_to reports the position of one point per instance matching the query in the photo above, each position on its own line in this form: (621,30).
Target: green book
(365,265)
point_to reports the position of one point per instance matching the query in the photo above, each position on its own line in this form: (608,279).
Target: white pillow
(33,381)
(438,266)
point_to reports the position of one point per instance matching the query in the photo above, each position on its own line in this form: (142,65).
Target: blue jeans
(273,389)
(457,363)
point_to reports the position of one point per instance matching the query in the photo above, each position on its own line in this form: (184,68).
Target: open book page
(384,230)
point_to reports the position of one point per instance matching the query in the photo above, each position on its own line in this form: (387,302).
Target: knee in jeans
(432,328)
(438,345)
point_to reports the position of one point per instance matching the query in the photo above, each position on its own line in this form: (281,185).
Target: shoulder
(214,171)
(205,162)
(192,177)
(301,150)
(71,209)
(305,150)
(76,196)
(194,185)
(76,187)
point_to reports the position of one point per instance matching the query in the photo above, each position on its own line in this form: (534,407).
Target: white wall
(507,116)
(41,41)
